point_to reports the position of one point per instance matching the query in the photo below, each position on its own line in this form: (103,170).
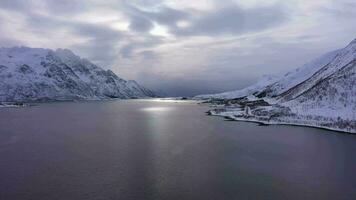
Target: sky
(184,47)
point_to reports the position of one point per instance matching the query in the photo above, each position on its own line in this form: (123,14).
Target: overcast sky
(184,47)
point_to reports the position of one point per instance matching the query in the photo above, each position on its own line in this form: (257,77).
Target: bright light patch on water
(158,109)
(166,100)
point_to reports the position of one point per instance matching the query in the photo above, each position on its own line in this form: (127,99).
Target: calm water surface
(145,149)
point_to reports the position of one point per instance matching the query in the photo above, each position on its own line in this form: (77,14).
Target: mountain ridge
(36,74)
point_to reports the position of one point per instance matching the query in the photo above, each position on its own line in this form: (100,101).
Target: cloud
(143,20)
(229,20)
(140,24)
(233,20)
(15,4)
(66,7)
(100,42)
(344,9)
(133,44)
(148,55)
(168,16)
(185,47)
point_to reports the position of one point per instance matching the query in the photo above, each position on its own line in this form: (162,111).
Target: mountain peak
(132,81)
(34,74)
(65,52)
(353,41)
(67,55)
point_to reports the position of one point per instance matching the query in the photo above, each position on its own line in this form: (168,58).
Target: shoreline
(231,118)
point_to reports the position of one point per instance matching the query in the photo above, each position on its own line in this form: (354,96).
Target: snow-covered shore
(321,94)
(12,105)
(270,117)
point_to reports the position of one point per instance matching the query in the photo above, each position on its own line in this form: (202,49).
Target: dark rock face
(25,69)
(28,74)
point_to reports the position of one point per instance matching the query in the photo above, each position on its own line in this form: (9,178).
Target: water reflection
(158,109)
(151,149)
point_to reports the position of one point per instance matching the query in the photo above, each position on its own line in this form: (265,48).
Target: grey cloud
(103,54)
(42,22)
(148,54)
(127,51)
(8,42)
(102,43)
(15,4)
(88,29)
(98,32)
(142,21)
(144,3)
(168,16)
(102,47)
(340,9)
(62,7)
(47,23)
(230,19)
(65,7)
(234,20)
(140,24)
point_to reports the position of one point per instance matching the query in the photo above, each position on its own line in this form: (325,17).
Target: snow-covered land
(248,91)
(34,74)
(321,93)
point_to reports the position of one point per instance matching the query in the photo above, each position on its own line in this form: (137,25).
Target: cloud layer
(183,47)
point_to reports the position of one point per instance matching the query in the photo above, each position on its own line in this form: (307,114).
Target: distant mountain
(34,74)
(261,85)
(320,93)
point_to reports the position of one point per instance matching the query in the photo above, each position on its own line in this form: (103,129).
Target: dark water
(164,150)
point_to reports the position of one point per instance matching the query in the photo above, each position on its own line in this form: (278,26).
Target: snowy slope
(34,74)
(322,93)
(342,59)
(255,88)
(299,75)
(331,91)
(334,96)
(275,85)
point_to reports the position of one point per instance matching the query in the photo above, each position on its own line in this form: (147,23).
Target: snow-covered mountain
(35,74)
(320,93)
(255,88)
(273,85)
(331,91)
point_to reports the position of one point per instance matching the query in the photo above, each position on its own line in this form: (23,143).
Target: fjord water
(150,149)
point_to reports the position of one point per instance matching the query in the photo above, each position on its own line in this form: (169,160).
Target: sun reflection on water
(157,109)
